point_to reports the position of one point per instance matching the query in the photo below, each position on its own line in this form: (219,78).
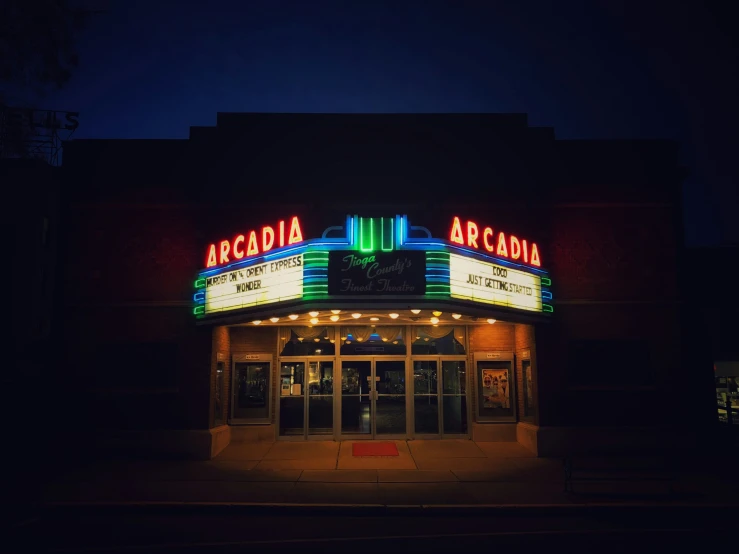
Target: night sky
(151,69)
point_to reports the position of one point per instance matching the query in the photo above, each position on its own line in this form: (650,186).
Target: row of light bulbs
(335,317)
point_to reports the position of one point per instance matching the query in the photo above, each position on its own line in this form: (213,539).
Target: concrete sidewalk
(439,472)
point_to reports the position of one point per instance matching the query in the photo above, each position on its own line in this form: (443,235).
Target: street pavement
(426,473)
(641,530)
(435,495)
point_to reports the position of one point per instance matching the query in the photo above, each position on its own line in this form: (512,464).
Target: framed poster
(495,380)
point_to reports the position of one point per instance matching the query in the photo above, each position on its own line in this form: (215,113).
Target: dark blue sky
(590,69)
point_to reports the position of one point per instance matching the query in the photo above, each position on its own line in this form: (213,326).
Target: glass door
(292,399)
(426,397)
(439,397)
(306,398)
(356,398)
(320,398)
(373,399)
(390,412)
(453,397)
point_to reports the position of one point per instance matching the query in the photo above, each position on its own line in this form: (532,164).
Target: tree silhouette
(38,40)
(38,43)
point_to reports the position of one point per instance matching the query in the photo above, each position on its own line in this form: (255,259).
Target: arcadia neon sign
(229,250)
(498,244)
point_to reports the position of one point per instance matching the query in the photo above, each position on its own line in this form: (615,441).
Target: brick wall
(482,338)
(563,401)
(525,340)
(614,277)
(221,353)
(173,394)
(613,252)
(130,253)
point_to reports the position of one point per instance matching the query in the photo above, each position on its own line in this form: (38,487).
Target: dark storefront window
(430,339)
(307,341)
(727,391)
(366,340)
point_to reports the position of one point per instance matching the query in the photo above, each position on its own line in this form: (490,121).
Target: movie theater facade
(305,277)
(374,329)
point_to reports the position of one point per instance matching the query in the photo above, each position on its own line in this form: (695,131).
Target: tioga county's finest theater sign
(380,273)
(381,257)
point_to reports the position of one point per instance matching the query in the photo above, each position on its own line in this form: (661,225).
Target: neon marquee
(498,244)
(242,247)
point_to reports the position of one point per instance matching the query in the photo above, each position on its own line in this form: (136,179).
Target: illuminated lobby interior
(403,374)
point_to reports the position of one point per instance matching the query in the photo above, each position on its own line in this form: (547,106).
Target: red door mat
(374,449)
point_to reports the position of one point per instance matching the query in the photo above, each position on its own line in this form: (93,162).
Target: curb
(384,509)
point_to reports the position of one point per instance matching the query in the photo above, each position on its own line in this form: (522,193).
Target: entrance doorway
(439,397)
(373,398)
(306,398)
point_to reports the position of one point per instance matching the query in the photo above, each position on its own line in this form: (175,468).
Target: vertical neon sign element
(366,234)
(386,234)
(350,229)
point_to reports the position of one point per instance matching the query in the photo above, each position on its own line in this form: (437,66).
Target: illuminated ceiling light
(343,338)
(384,340)
(274,319)
(257,321)
(300,339)
(316,339)
(313,314)
(393,316)
(426,339)
(348,342)
(293,317)
(437,313)
(314,320)
(395,342)
(336,312)
(417,337)
(334,318)
(434,320)
(456,316)
(359,339)
(374,319)
(491,321)
(332,341)
(356,316)
(416,312)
